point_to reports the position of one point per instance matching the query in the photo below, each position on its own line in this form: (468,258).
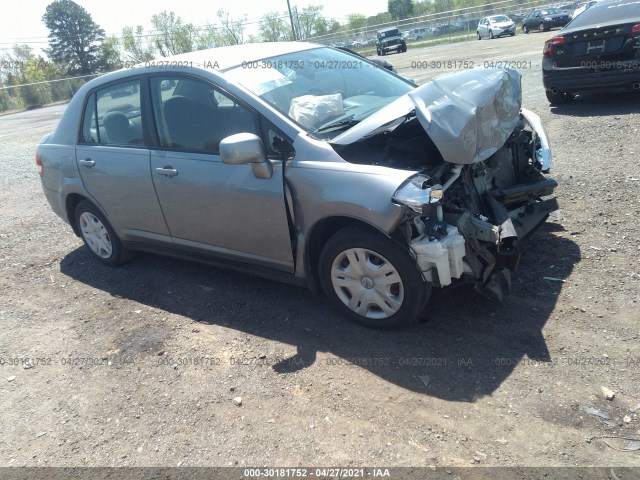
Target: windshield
(500,18)
(551,11)
(389,33)
(323,90)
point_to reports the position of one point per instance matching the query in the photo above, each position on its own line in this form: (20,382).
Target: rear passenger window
(192,115)
(113,116)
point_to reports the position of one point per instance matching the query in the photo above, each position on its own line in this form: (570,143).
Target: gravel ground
(145,365)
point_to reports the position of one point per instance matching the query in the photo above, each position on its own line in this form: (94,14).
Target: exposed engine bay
(466,221)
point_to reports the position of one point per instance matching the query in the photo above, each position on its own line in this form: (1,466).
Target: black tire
(404,49)
(491,34)
(558,98)
(525,29)
(479,37)
(541,27)
(513,34)
(403,300)
(99,236)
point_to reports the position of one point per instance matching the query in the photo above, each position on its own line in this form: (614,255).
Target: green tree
(173,36)
(443,5)
(74,38)
(423,7)
(135,45)
(355,21)
(379,19)
(232,28)
(311,22)
(274,28)
(400,8)
(334,26)
(28,74)
(110,55)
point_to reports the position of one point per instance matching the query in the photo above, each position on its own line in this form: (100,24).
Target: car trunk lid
(601,48)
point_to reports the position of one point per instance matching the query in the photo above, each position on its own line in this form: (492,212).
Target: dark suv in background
(390,39)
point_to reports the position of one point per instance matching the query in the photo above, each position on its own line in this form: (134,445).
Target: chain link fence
(37,94)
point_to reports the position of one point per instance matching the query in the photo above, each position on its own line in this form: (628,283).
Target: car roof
(223,58)
(606,12)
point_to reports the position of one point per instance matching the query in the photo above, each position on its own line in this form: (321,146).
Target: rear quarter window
(113,116)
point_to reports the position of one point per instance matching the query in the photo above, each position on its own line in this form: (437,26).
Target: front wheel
(541,27)
(99,236)
(525,29)
(372,279)
(491,34)
(479,37)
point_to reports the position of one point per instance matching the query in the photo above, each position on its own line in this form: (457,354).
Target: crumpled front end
(481,186)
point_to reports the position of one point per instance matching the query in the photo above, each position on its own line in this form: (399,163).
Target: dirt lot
(139,365)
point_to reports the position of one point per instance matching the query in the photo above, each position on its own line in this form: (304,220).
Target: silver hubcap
(367,283)
(96,235)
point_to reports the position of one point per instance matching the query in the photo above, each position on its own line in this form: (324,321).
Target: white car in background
(495,26)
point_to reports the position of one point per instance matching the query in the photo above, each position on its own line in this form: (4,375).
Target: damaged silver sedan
(306,164)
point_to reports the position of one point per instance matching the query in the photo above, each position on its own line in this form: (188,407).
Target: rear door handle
(167,171)
(87,162)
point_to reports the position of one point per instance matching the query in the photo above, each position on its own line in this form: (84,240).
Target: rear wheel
(541,27)
(371,279)
(479,37)
(525,29)
(99,236)
(558,98)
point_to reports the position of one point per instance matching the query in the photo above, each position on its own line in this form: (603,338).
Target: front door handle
(167,171)
(87,162)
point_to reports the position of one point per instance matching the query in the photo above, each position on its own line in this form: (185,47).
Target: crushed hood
(469,115)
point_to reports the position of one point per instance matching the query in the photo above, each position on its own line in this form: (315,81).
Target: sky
(23,24)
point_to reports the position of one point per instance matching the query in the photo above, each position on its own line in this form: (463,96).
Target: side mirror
(244,148)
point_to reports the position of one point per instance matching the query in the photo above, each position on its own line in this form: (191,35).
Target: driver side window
(192,115)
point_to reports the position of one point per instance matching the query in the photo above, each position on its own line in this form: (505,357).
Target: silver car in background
(307,164)
(495,26)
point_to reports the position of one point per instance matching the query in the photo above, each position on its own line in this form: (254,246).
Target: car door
(211,207)
(526,21)
(114,162)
